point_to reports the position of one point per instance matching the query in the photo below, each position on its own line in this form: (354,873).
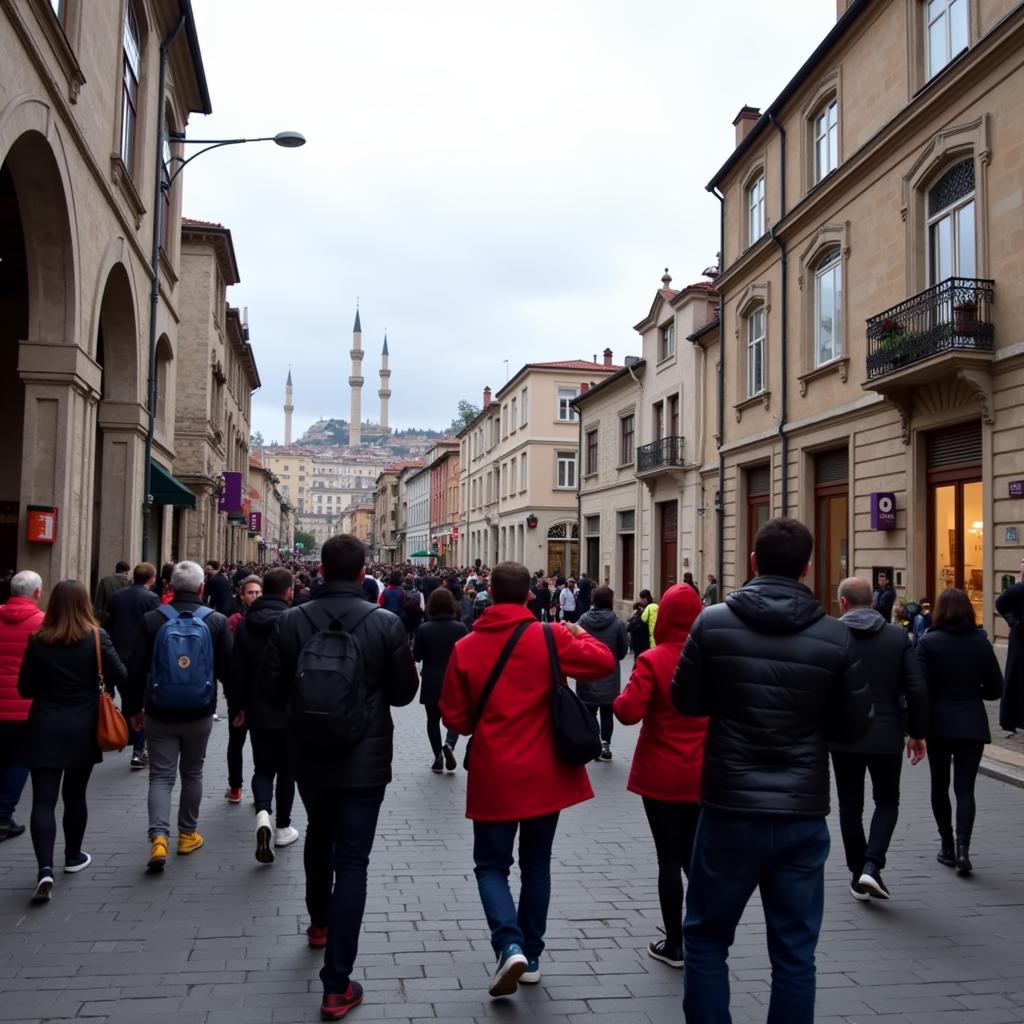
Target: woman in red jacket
(667,761)
(516,780)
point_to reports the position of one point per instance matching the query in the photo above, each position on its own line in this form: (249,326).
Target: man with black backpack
(337,665)
(182,650)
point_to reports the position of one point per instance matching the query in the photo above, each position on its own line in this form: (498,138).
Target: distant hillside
(335,432)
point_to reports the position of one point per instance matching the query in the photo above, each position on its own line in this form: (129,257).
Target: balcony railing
(658,454)
(951,316)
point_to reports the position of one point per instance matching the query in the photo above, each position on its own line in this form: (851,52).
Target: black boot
(963,855)
(946,854)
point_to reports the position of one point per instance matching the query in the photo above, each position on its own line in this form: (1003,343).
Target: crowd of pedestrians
(743,704)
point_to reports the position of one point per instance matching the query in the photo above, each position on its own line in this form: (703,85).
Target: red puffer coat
(19,618)
(670,751)
(514,770)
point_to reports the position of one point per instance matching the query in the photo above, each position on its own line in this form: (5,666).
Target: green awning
(424,554)
(166,490)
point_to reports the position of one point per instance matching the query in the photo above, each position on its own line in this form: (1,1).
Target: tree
(467,413)
(256,440)
(307,540)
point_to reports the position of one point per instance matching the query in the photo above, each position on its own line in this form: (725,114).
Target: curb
(1002,772)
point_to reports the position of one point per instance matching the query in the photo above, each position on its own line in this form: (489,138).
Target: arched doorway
(563,549)
(36,313)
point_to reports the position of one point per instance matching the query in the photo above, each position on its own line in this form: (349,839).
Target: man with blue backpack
(336,666)
(183,649)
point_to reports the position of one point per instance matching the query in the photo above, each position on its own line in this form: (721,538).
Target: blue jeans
(492,853)
(734,854)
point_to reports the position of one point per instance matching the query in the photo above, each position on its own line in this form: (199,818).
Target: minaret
(355,382)
(385,385)
(288,408)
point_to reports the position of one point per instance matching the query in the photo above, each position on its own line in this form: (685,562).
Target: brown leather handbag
(111,728)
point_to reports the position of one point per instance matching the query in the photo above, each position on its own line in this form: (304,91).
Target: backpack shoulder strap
(170,613)
(499,667)
(201,613)
(329,621)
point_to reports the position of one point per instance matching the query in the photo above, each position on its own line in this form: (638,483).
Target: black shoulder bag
(492,681)
(577,734)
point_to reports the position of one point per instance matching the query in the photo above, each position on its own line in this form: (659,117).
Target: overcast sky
(490,187)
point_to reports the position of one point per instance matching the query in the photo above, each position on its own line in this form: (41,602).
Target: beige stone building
(79,135)
(272,532)
(872,316)
(358,520)
(216,377)
(388,516)
(520,495)
(642,499)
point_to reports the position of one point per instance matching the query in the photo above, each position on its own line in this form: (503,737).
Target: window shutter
(759,479)
(955,447)
(832,467)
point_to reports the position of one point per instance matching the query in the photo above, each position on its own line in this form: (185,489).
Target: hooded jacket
(514,770)
(670,751)
(1010,605)
(604,625)
(890,667)
(19,618)
(242,686)
(778,680)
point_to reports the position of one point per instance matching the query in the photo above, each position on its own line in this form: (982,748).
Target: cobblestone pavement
(218,939)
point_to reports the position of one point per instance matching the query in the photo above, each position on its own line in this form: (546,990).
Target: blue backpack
(181,677)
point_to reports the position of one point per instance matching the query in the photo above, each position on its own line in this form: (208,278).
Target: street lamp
(164,179)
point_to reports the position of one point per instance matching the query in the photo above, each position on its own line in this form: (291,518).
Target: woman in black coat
(432,644)
(1010,605)
(961,671)
(603,624)
(60,674)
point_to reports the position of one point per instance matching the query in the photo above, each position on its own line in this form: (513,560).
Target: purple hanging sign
(231,496)
(883,510)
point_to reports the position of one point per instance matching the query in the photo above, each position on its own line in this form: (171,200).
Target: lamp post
(164,179)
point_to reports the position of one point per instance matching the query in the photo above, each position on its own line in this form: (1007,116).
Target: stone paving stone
(218,939)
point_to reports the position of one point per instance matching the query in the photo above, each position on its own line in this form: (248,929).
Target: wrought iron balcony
(668,452)
(952,316)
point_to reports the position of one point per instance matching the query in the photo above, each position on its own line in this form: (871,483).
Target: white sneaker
(285,836)
(264,851)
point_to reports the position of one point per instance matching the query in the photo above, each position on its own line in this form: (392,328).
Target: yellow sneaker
(158,854)
(189,842)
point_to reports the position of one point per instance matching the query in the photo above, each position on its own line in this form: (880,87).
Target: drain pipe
(720,495)
(784,312)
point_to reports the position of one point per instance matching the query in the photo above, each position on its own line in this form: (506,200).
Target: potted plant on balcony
(965,317)
(531,521)
(893,343)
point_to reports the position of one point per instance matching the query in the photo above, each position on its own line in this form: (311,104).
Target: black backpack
(577,733)
(328,705)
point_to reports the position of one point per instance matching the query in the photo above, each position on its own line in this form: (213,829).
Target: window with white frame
(755,210)
(565,469)
(755,351)
(522,470)
(130,61)
(504,421)
(523,407)
(513,418)
(828,306)
(512,489)
(952,249)
(826,139)
(946,32)
(667,341)
(565,410)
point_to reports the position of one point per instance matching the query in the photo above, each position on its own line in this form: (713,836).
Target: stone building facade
(79,113)
(872,320)
(443,463)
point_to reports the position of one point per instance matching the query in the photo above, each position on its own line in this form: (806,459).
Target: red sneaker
(317,937)
(233,796)
(335,1006)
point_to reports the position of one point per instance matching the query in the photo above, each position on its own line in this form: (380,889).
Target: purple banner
(231,496)
(255,522)
(883,510)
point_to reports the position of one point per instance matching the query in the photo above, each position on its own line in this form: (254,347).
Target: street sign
(1017,488)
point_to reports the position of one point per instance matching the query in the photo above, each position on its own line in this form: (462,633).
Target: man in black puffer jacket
(342,794)
(778,680)
(889,665)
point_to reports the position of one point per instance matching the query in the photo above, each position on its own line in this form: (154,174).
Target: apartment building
(872,333)
(79,133)
(443,463)
(414,515)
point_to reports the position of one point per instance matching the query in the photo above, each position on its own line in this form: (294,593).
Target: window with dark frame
(627,432)
(591,452)
(673,416)
(131,62)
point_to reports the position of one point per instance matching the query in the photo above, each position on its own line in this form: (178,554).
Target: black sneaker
(606,752)
(661,950)
(857,891)
(140,760)
(44,886)
(79,862)
(438,765)
(449,757)
(871,880)
(10,830)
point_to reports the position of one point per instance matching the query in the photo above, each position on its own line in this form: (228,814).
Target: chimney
(487,397)
(747,118)
(584,387)
(607,357)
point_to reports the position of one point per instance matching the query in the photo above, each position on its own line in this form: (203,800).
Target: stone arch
(164,372)
(117,338)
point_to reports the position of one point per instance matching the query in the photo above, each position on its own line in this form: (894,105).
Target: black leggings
(966,758)
(673,826)
(46,787)
(434,730)
(236,742)
(607,720)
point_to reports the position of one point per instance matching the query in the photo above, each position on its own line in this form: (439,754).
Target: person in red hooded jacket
(516,780)
(19,618)
(667,761)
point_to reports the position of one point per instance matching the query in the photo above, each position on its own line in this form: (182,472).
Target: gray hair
(26,583)
(856,591)
(187,576)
